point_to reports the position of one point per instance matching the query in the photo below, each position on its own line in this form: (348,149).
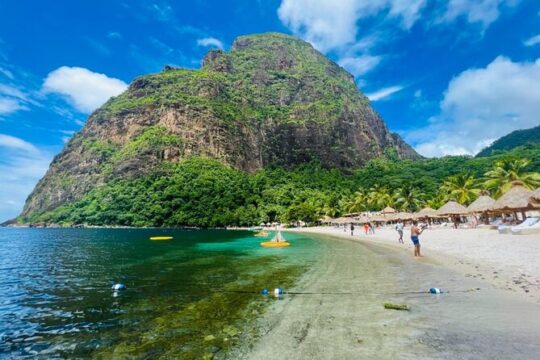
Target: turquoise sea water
(189,297)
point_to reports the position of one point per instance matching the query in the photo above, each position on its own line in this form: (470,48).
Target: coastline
(343,316)
(505,261)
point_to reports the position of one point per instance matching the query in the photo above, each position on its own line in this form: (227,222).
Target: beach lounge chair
(529,226)
(504,229)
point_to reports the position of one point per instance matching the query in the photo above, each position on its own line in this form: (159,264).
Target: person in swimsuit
(415,233)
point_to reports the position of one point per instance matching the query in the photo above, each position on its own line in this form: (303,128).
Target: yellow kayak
(161,238)
(275,244)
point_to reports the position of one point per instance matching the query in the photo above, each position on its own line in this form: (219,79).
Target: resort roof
(403,216)
(517,198)
(534,199)
(389,210)
(482,204)
(452,208)
(426,212)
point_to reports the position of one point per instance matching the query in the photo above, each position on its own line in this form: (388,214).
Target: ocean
(195,296)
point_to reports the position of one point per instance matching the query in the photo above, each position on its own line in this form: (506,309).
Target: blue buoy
(264,292)
(436,291)
(119,286)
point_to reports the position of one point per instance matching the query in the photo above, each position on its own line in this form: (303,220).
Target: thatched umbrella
(453,210)
(484,203)
(534,199)
(426,212)
(514,200)
(388,210)
(378,218)
(402,216)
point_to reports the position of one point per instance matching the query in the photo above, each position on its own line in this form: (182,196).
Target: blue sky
(449,75)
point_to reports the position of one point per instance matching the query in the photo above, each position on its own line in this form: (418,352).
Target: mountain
(513,140)
(271,101)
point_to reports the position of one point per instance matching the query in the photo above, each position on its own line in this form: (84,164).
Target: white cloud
(211,42)
(481,105)
(21,164)
(360,65)
(11,99)
(84,89)
(330,25)
(484,12)
(9,106)
(384,93)
(532,41)
(12,142)
(6,73)
(333,25)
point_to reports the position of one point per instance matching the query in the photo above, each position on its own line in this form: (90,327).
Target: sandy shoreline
(507,261)
(361,275)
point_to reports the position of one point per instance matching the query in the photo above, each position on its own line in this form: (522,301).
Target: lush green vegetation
(513,140)
(206,193)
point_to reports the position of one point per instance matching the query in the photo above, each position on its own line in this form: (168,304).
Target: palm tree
(408,198)
(499,179)
(437,201)
(462,188)
(358,202)
(380,197)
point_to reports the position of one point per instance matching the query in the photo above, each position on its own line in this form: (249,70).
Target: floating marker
(264,292)
(117,287)
(436,291)
(278,292)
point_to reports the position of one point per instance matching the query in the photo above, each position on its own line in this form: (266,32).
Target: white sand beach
(485,312)
(507,261)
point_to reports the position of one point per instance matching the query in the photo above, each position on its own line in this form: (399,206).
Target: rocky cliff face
(271,100)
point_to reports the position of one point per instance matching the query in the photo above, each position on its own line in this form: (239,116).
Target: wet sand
(351,322)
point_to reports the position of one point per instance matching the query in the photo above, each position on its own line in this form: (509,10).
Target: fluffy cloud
(21,164)
(481,105)
(532,41)
(484,12)
(333,25)
(330,25)
(360,65)
(384,93)
(84,89)
(210,41)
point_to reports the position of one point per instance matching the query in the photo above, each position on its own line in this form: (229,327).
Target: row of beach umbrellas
(517,199)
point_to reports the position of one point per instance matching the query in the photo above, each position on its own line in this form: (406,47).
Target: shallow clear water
(189,296)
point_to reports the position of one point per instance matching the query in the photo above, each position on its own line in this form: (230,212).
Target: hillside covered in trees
(513,140)
(204,192)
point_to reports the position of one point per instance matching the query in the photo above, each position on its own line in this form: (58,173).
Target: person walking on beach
(399,229)
(371,228)
(352,229)
(366,228)
(415,233)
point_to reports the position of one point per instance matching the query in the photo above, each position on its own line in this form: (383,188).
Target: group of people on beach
(368,229)
(416,231)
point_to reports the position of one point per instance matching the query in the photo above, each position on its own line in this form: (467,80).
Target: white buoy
(118,286)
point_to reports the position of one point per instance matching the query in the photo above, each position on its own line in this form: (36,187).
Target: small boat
(277,241)
(161,238)
(261,234)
